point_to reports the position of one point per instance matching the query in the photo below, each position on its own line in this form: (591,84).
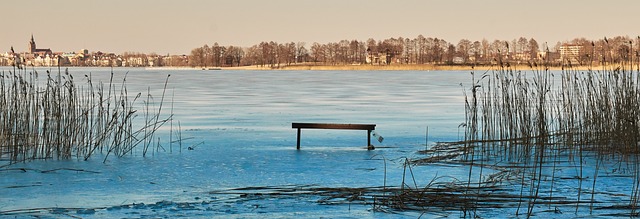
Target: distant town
(46,57)
(393,51)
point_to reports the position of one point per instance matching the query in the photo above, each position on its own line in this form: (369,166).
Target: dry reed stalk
(530,120)
(57,119)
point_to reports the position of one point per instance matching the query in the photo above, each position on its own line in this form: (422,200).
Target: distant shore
(423,67)
(393,67)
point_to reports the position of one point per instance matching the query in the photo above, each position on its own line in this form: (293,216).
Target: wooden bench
(368,127)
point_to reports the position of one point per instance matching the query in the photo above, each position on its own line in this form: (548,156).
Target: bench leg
(298,145)
(369,145)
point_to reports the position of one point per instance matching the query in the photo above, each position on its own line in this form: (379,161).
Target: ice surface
(238,125)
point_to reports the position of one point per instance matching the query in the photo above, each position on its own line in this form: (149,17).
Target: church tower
(32,45)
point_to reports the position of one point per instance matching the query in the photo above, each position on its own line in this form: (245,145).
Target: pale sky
(178,26)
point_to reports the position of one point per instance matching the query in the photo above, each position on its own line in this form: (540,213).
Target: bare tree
(233,55)
(317,53)
(464,48)
(252,55)
(486,51)
(476,50)
(343,52)
(437,50)
(332,52)
(264,53)
(301,52)
(422,47)
(620,49)
(521,48)
(498,49)
(372,46)
(408,55)
(450,54)
(533,48)
(354,52)
(197,57)
(208,56)
(585,54)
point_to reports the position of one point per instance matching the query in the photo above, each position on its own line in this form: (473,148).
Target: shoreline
(393,67)
(423,67)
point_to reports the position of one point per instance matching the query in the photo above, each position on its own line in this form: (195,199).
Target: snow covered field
(236,131)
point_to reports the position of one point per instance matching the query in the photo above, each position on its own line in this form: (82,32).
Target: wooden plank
(333,126)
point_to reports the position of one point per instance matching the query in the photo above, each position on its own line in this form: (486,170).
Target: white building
(570,52)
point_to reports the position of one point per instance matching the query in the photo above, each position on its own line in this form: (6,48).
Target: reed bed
(529,121)
(49,116)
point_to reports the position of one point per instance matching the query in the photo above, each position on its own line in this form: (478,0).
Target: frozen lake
(238,125)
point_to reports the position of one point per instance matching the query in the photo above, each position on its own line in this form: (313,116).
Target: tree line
(420,50)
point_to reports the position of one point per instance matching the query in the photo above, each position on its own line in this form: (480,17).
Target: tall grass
(532,118)
(50,117)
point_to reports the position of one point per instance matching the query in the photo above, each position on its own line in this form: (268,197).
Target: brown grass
(537,117)
(52,117)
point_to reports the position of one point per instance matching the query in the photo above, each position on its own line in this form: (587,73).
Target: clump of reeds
(530,119)
(52,117)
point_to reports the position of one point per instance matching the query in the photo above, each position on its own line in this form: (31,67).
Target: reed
(51,117)
(533,118)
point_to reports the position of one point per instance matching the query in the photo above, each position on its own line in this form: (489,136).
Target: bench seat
(367,127)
